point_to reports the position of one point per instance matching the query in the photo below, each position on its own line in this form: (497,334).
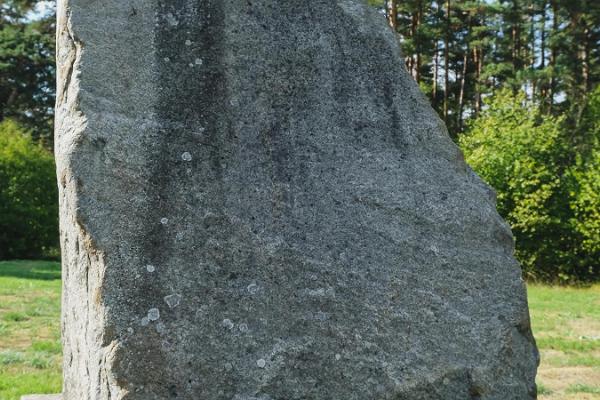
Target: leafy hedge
(548,183)
(28,196)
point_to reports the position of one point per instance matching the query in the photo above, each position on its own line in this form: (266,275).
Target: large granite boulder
(258,203)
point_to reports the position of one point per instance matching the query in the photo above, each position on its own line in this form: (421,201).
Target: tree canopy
(27,71)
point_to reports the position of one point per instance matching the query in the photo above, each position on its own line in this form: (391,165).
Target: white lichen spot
(130,330)
(227,323)
(150,268)
(434,249)
(171,19)
(186,156)
(188,42)
(228,366)
(160,327)
(243,328)
(261,363)
(153,314)
(167,59)
(319,292)
(191,65)
(173,300)
(253,288)
(145,321)
(198,61)
(338,357)
(316,292)
(164,221)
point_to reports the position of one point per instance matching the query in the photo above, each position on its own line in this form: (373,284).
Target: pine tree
(27,72)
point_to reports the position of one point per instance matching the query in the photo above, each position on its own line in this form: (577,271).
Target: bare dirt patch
(559,379)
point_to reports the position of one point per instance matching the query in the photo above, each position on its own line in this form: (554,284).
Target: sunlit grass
(566,324)
(30,350)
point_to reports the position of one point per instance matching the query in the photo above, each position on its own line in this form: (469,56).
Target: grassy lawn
(30,354)
(566,323)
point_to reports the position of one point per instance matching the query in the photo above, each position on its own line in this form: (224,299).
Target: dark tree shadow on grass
(25,269)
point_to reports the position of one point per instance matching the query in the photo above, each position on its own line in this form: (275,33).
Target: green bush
(550,201)
(28,196)
(584,189)
(586,202)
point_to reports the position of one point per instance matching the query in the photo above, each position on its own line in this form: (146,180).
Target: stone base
(42,397)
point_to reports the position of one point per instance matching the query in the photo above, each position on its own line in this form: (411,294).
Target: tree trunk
(553,54)
(418,42)
(463,77)
(516,37)
(413,34)
(585,65)
(436,68)
(447,60)
(478,54)
(532,51)
(479,62)
(544,83)
(584,56)
(543,37)
(392,13)
(461,97)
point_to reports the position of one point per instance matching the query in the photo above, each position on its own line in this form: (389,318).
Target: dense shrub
(28,196)
(585,203)
(584,191)
(547,187)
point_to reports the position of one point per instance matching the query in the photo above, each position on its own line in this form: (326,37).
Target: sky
(42,9)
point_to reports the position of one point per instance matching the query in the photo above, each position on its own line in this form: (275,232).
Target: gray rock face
(258,204)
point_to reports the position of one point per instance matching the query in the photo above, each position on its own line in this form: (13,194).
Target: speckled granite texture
(257,203)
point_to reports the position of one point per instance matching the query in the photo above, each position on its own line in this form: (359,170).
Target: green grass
(567,320)
(543,390)
(566,323)
(30,350)
(579,388)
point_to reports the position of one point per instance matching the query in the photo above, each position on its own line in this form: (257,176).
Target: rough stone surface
(258,204)
(42,397)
